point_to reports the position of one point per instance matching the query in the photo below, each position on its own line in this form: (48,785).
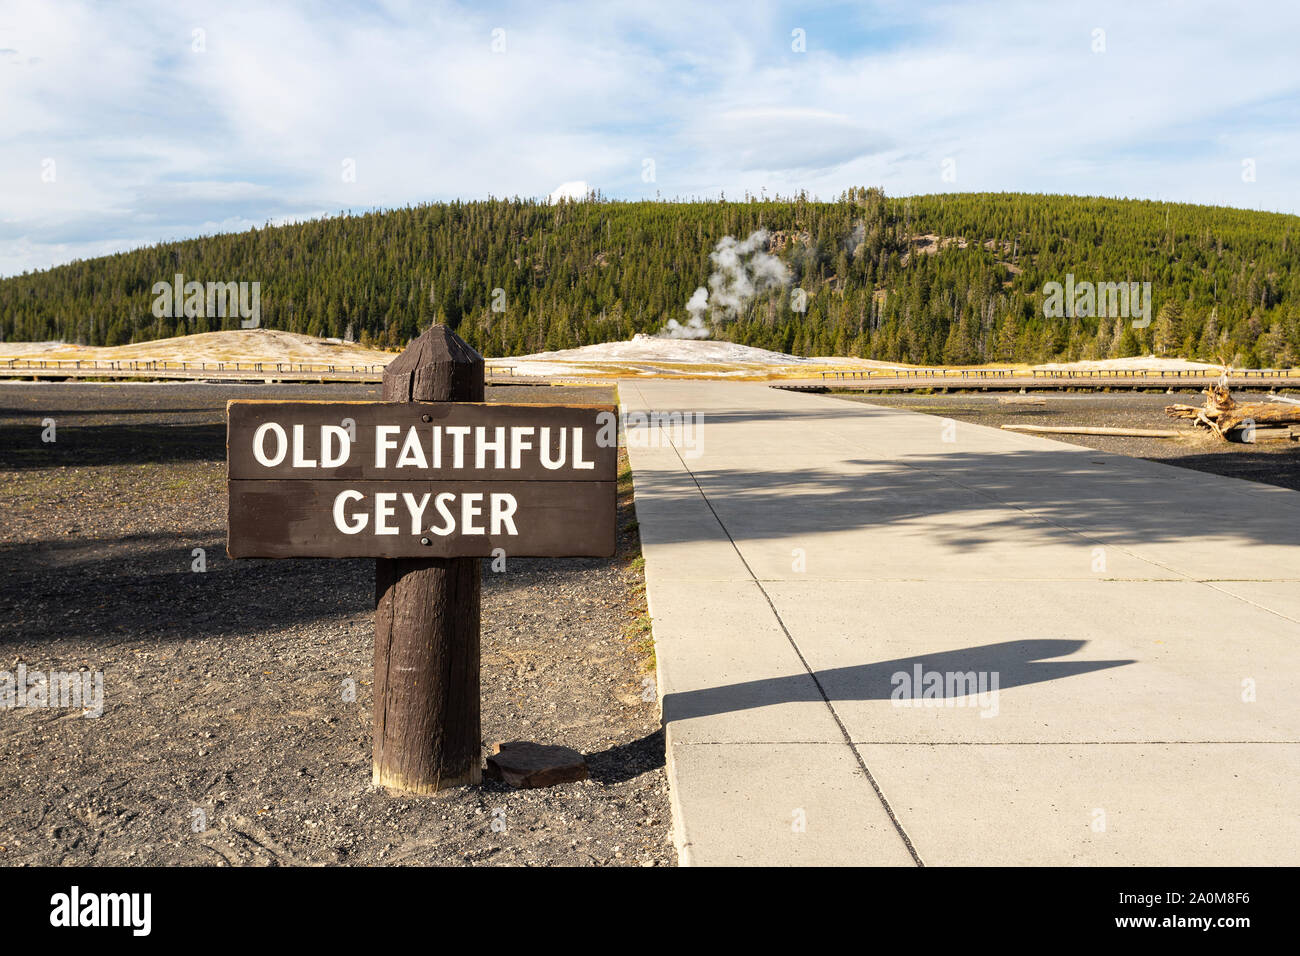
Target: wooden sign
(420,479)
(426,482)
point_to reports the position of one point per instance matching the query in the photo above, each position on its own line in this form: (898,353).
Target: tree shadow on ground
(83,446)
(967,499)
(142,587)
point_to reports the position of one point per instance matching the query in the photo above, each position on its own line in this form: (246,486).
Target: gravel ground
(1274,463)
(228,734)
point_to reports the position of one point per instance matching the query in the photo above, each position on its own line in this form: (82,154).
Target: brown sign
(420,479)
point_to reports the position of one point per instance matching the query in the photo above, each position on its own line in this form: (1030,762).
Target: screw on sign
(427,481)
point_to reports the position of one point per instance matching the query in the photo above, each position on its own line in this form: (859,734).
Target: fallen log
(1221,412)
(1096,430)
(1274,433)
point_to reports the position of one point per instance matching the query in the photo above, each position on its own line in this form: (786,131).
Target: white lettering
(547,461)
(416,510)
(383,443)
(520,442)
(458,433)
(497,446)
(299,451)
(578,463)
(341,520)
(339,434)
(259,442)
(412,451)
(449,521)
(471,507)
(503,511)
(383,511)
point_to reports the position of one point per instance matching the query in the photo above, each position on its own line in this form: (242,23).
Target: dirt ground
(237,707)
(1274,463)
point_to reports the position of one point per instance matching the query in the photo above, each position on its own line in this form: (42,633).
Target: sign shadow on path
(1016,663)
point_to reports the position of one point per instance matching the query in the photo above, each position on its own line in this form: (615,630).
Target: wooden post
(426,726)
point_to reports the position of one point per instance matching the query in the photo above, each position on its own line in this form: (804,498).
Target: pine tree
(1168,328)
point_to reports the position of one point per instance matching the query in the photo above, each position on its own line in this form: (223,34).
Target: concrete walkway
(1141,621)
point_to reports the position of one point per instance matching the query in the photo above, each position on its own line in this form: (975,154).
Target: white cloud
(788,139)
(155,141)
(578,189)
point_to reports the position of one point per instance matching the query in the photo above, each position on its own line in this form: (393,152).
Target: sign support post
(427,614)
(428,482)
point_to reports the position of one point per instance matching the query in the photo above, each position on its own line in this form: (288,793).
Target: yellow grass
(250,345)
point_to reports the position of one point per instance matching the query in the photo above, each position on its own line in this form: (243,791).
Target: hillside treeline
(952,279)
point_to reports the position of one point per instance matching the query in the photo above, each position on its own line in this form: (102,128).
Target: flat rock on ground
(524,764)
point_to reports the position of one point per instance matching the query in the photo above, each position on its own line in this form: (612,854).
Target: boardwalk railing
(124,365)
(920,373)
(116,368)
(1093,374)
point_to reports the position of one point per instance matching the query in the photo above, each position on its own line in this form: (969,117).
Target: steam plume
(742,270)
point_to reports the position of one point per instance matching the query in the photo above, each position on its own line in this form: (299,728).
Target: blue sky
(123,124)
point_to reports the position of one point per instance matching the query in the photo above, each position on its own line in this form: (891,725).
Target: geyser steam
(742,271)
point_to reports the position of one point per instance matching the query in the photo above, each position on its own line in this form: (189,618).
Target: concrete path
(1141,621)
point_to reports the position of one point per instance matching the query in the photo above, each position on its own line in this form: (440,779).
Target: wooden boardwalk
(1009,379)
(265,372)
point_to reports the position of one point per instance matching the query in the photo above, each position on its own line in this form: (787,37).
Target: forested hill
(948,279)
